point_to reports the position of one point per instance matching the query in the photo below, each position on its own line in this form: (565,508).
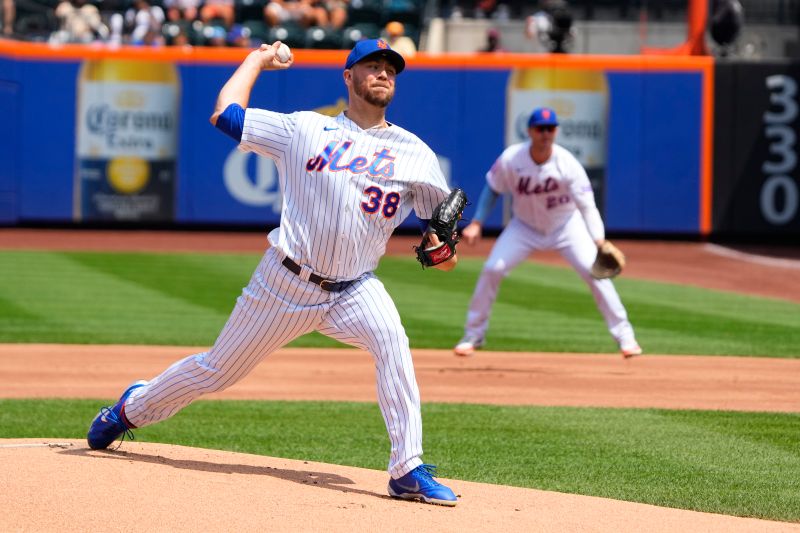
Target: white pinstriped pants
(573,242)
(275,308)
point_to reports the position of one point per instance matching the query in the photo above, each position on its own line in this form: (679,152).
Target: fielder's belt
(325,284)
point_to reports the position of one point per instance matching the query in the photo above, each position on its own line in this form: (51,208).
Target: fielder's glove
(609,261)
(443,223)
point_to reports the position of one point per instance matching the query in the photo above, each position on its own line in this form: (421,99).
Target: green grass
(743,464)
(184,299)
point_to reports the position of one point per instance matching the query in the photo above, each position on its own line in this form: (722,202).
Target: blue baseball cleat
(420,485)
(109,424)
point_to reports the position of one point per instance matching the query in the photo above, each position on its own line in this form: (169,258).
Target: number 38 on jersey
(378,201)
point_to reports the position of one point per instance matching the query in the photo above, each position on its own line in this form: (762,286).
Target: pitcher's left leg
(365,316)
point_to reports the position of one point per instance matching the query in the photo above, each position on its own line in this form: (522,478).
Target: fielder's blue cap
(375,47)
(543,116)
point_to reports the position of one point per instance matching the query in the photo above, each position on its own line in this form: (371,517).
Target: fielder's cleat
(110,422)
(420,485)
(467,345)
(630,349)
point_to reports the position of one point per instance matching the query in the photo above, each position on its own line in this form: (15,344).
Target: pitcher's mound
(61,485)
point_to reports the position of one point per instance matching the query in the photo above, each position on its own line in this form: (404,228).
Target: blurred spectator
(317,14)
(496,9)
(305,13)
(726,21)
(453,11)
(79,22)
(492,41)
(484,8)
(215,35)
(239,36)
(176,33)
(479,9)
(398,40)
(181,10)
(217,9)
(9,14)
(141,25)
(147,21)
(551,25)
(336,11)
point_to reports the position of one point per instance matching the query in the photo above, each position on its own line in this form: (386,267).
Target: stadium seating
(259,31)
(365,11)
(35,19)
(249,10)
(290,33)
(409,13)
(363,30)
(323,38)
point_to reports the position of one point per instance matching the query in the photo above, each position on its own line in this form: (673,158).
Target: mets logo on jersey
(547,186)
(380,165)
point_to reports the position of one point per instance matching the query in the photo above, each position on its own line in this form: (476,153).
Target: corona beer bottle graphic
(580,98)
(127,124)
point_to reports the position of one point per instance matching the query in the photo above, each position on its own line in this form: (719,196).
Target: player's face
(373,80)
(543,136)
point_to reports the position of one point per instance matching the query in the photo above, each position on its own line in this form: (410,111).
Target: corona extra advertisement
(126,145)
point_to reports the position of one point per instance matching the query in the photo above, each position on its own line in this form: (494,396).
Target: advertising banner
(756,170)
(131,140)
(126,149)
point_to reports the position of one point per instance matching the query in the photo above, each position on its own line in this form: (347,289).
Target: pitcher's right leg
(274,308)
(513,246)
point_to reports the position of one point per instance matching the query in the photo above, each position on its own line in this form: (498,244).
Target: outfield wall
(756,131)
(642,125)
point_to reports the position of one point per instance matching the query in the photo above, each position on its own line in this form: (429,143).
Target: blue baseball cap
(543,116)
(372,47)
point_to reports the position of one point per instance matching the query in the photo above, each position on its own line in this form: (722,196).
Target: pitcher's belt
(325,284)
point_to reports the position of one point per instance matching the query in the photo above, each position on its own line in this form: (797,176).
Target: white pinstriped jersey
(349,188)
(544,196)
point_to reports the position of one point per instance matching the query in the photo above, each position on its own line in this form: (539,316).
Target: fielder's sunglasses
(540,129)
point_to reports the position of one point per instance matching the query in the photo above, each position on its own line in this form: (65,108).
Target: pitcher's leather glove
(443,224)
(609,261)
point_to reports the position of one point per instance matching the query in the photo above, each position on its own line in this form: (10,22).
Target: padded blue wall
(652,171)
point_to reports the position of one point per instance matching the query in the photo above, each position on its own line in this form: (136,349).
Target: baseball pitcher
(347,182)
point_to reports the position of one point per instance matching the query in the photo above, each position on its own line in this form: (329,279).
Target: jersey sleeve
(577,181)
(430,192)
(498,177)
(581,191)
(267,133)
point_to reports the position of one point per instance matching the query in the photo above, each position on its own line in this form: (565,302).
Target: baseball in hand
(283,53)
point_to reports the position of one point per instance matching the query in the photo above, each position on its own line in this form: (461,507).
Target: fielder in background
(553,209)
(347,182)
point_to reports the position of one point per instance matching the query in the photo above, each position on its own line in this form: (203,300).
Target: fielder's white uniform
(553,208)
(345,190)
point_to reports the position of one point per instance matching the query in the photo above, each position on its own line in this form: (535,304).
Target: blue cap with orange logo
(543,116)
(375,47)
